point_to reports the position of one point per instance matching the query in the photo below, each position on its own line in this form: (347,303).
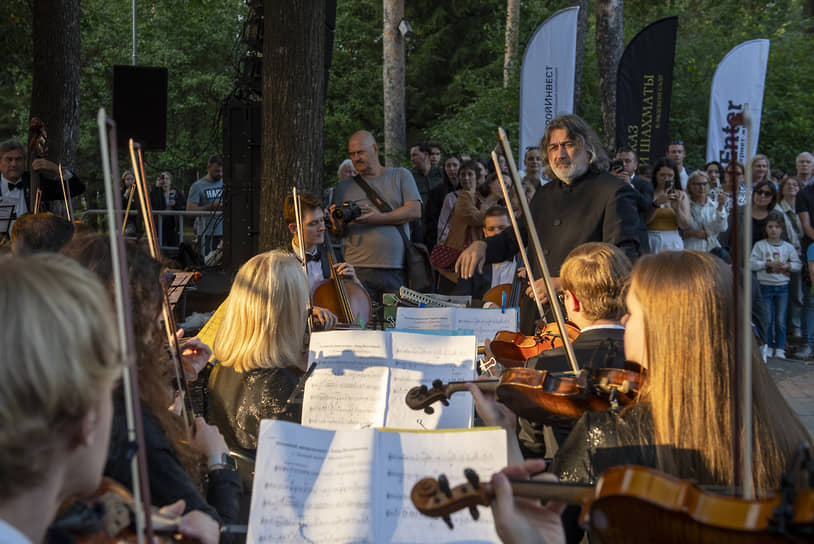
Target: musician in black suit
(15,182)
(316,249)
(582,203)
(495,221)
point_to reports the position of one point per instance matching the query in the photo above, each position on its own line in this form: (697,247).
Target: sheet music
(404,458)
(483,322)
(420,359)
(311,485)
(323,486)
(362,379)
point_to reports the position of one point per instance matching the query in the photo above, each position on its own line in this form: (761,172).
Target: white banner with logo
(547,76)
(740,79)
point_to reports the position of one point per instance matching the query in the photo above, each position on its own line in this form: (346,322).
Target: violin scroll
(421,397)
(434,498)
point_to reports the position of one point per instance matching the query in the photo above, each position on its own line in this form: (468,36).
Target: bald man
(373,244)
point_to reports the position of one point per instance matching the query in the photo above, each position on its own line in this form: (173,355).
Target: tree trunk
(293,109)
(609,45)
(55,75)
(395,122)
(512,27)
(582,32)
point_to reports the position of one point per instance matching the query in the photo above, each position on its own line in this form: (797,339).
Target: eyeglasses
(699,184)
(763,193)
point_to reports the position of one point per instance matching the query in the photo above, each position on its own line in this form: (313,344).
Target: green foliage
(197,41)
(455,92)
(15,77)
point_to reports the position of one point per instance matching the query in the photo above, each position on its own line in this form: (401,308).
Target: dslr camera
(347,212)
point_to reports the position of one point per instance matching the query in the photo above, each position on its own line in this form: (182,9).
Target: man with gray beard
(583,203)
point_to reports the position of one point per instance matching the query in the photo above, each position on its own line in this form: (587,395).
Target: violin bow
(523,254)
(126,343)
(745,405)
(129,204)
(66,194)
(309,326)
(538,250)
(169,320)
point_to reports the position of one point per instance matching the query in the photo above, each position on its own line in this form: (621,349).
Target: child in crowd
(774,260)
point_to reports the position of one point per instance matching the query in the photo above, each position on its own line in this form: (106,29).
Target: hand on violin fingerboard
(520,520)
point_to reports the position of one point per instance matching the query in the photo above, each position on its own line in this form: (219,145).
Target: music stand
(7,215)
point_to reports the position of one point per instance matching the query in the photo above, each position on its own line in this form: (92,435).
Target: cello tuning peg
(423,389)
(472,477)
(429,410)
(438,384)
(445,402)
(448,521)
(443,485)
(474,511)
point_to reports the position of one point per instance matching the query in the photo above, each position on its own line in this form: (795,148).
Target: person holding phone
(624,167)
(670,210)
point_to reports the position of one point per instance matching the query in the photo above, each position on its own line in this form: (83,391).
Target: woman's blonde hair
(263,323)
(687,310)
(597,273)
(58,355)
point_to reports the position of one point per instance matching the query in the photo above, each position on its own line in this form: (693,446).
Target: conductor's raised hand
(471,260)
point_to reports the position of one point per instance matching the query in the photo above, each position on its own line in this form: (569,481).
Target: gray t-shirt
(204,192)
(377,246)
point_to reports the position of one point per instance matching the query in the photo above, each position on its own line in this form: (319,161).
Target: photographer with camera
(624,167)
(373,243)
(164,197)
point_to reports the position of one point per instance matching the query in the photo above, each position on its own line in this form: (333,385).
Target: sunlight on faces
(361,150)
(495,225)
(567,157)
(313,228)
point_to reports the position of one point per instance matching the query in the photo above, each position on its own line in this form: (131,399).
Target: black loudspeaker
(140,106)
(242,136)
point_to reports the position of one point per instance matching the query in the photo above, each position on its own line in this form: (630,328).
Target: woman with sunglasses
(707,215)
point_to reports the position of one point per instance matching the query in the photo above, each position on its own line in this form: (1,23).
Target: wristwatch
(224,460)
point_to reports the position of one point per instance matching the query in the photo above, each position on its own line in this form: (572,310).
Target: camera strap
(377,200)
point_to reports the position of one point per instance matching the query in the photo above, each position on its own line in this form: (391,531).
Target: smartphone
(617,165)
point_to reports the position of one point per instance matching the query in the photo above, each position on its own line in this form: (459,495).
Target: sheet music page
(348,388)
(311,485)
(486,322)
(425,319)
(419,359)
(404,458)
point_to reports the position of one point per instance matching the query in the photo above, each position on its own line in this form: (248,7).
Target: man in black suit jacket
(644,190)
(593,281)
(15,182)
(582,203)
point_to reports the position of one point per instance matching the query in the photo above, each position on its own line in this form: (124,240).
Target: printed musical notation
(314,485)
(363,377)
(484,323)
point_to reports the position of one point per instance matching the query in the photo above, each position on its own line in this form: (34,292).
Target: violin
(542,396)
(348,300)
(667,509)
(512,349)
(108,516)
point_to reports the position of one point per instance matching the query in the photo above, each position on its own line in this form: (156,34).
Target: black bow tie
(18,185)
(312,257)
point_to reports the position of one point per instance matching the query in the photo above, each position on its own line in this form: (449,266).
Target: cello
(348,300)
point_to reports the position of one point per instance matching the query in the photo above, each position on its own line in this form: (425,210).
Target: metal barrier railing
(211,215)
